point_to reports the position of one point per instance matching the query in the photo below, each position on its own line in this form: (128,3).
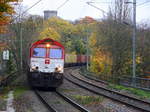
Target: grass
(3,96)
(19,91)
(138,92)
(57,102)
(4,92)
(67,90)
(2,105)
(85,100)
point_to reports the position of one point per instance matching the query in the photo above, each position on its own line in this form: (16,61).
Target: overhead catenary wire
(102,2)
(26,10)
(144,3)
(104,12)
(90,3)
(62,4)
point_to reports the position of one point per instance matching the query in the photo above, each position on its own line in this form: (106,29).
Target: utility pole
(21,47)
(134,42)
(87,51)
(20,43)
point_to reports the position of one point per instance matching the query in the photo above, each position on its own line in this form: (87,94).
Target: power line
(62,4)
(143,3)
(102,2)
(32,6)
(27,10)
(89,3)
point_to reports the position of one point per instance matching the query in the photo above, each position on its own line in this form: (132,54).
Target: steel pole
(134,42)
(21,47)
(87,52)
(20,42)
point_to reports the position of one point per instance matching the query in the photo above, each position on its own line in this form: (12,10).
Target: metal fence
(142,83)
(138,82)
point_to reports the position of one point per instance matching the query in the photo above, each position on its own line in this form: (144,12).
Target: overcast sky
(75,9)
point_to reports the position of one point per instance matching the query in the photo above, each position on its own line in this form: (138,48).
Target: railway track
(94,79)
(114,95)
(44,101)
(52,108)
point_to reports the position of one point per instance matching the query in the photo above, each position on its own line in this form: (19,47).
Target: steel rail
(67,99)
(134,102)
(49,107)
(73,103)
(94,79)
(147,108)
(111,90)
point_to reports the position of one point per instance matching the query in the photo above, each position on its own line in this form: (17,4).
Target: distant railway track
(114,95)
(97,80)
(52,108)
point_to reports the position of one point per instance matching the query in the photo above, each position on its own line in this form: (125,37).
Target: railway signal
(5,55)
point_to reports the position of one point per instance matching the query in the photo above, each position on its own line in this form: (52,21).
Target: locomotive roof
(48,40)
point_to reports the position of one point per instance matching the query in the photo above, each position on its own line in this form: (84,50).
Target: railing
(142,83)
(138,82)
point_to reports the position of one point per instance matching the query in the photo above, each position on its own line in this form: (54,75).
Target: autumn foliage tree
(57,29)
(86,20)
(6,11)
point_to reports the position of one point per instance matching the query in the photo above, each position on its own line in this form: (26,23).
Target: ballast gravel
(29,102)
(106,105)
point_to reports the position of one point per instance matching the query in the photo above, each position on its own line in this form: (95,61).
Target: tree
(80,34)
(120,11)
(29,30)
(62,30)
(143,43)
(86,20)
(111,47)
(49,32)
(6,11)
(113,41)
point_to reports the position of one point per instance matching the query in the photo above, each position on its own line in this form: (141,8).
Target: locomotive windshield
(55,53)
(39,52)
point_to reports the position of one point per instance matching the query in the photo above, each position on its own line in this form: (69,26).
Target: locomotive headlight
(34,68)
(47,45)
(59,69)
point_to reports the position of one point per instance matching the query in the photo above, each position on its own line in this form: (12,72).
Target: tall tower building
(50,13)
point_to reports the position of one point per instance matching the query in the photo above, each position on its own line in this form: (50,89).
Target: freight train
(47,61)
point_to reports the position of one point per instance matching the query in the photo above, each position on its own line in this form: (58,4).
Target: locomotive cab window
(55,53)
(39,52)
